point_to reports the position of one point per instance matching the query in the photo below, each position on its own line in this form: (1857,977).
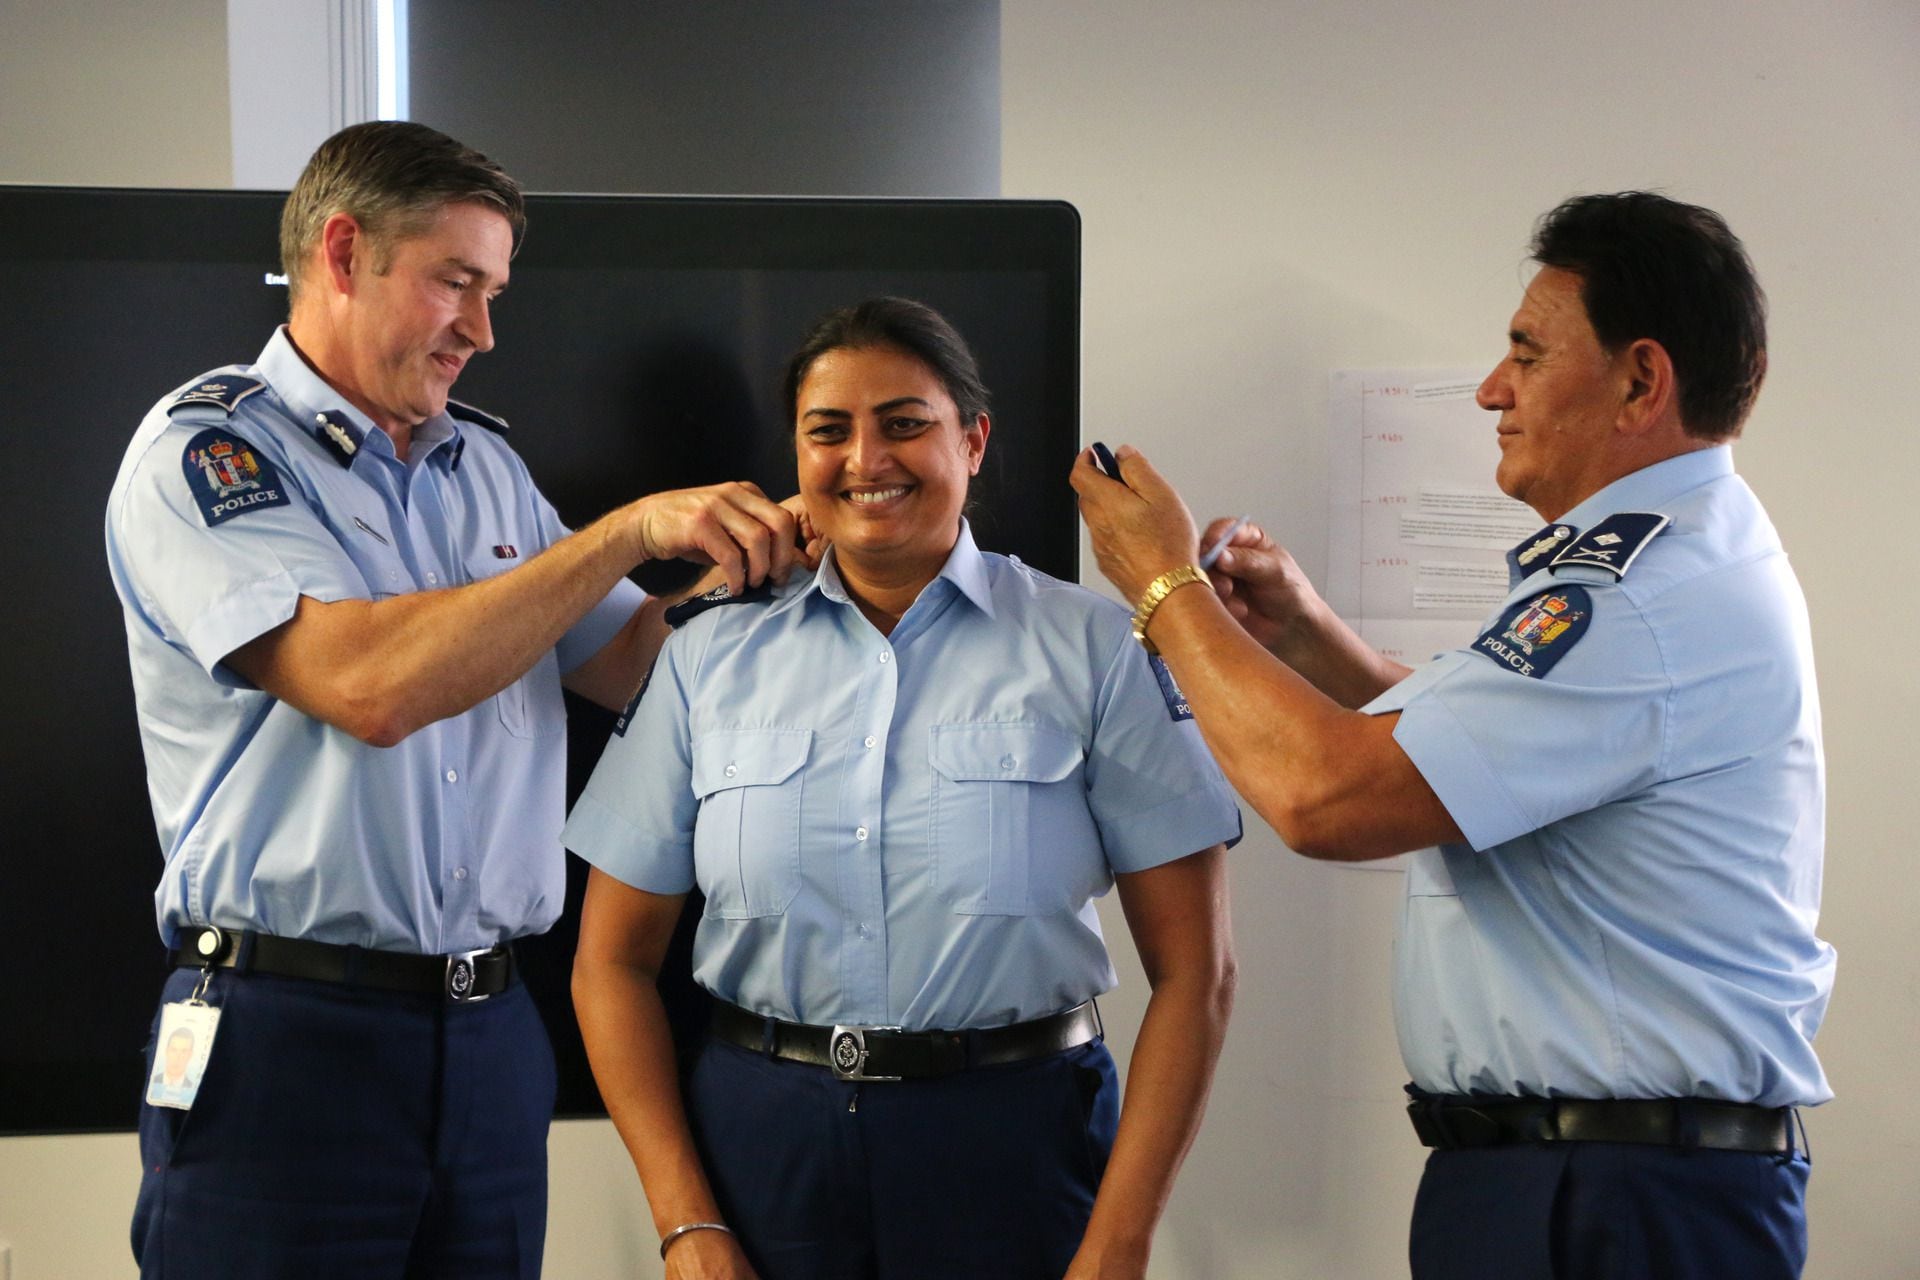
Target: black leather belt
(464,977)
(1451,1123)
(888,1053)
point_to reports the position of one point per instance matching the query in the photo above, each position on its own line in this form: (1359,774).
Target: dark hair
(393,176)
(1651,267)
(912,327)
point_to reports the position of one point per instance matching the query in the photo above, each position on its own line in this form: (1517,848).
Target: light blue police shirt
(1632,913)
(910,829)
(262,485)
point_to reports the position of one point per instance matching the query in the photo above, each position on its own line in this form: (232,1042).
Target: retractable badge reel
(185,1042)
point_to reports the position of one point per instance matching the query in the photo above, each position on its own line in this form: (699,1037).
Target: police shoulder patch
(467,413)
(224,391)
(686,610)
(1613,543)
(1536,633)
(1176,701)
(228,478)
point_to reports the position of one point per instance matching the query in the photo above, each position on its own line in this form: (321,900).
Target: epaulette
(1613,543)
(681,613)
(223,391)
(467,413)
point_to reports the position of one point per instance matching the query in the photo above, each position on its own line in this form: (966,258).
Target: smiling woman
(900,785)
(885,452)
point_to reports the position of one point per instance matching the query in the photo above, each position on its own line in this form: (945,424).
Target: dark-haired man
(350,616)
(1608,981)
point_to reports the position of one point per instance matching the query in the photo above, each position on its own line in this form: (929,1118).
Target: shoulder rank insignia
(223,391)
(227,478)
(1533,635)
(1177,707)
(1552,538)
(626,716)
(1613,543)
(338,435)
(680,614)
(467,413)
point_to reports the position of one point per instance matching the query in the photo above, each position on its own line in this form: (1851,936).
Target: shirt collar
(335,425)
(1647,489)
(965,568)
(1654,487)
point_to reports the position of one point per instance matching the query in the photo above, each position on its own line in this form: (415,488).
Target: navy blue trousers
(983,1173)
(345,1132)
(1609,1211)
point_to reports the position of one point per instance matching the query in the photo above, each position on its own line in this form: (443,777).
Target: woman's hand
(708,1255)
(1130,1264)
(1177,913)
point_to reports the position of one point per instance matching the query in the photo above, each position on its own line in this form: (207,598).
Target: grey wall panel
(724,97)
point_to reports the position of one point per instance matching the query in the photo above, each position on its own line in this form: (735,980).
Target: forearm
(1168,1079)
(1332,657)
(382,669)
(630,1046)
(1330,780)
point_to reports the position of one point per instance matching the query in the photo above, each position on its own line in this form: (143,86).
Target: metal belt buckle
(462,975)
(847,1052)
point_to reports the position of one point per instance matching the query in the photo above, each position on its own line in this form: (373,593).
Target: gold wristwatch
(1158,590)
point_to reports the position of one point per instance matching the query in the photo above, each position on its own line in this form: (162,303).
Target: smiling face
(884,459)
(409,329)
(1559,395)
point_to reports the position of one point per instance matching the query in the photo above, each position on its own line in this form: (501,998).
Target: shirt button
(859,833)
(459,873)
(433,577)
(731,769)
(870,740)
(886,658)
(1007,762)
(453,775)
(865,932)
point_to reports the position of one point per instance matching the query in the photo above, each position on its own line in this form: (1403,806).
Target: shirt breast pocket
(990,783)
(532,706)
(746,838)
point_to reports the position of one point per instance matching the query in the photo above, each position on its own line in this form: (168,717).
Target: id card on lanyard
(184,1045)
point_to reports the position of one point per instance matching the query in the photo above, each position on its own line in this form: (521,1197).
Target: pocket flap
(747,758)
(1004,752)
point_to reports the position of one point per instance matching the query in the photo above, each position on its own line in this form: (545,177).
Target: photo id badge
(180,1056)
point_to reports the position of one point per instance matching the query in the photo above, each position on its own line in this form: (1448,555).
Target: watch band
(1157,591)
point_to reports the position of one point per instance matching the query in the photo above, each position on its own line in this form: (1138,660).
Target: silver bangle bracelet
(685,1227)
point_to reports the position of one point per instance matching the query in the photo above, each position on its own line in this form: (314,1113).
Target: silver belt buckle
(847,1053)
(462,975)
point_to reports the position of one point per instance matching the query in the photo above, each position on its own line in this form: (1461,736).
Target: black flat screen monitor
(639,348)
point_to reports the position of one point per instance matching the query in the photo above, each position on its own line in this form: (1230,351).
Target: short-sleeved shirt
(910,829)
(245,490)
(1635,762)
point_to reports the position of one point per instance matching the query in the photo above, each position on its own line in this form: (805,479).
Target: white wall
(106,93)
(1272,190)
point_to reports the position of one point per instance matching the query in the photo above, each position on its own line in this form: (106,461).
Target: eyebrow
(883,407)
(468,268)
(1521,338)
